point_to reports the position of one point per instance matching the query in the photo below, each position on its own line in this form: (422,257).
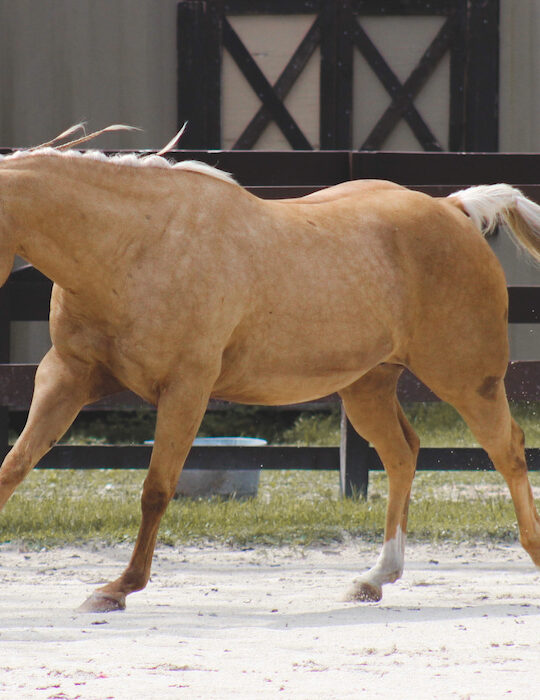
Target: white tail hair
(490,205)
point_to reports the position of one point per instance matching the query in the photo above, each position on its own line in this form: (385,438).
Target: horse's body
(179,285)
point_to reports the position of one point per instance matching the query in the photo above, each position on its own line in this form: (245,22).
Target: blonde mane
(123,159)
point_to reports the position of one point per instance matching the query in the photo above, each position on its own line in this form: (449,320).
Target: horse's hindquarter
(343,286)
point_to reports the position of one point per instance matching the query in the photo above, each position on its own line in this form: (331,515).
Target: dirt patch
(464,622)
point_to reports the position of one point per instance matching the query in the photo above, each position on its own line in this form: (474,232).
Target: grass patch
(294,508)
(437,425)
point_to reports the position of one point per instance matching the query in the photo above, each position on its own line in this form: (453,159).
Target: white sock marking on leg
(389,566)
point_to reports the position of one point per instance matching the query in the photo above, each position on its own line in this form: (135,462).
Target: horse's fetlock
(531,544)
(134,581)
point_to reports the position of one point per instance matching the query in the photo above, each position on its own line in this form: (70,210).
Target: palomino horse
(175,282)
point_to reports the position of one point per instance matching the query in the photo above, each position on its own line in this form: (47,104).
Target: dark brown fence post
(474,78)
(336,82)
(354,454)
(199,72)
(482,76)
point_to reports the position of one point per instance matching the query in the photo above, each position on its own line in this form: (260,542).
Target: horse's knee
(154,500)
(400,478)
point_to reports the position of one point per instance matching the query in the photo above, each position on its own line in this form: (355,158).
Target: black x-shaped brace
(402,94)
(271,97)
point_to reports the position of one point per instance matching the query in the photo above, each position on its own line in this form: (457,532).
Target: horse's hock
(227,482)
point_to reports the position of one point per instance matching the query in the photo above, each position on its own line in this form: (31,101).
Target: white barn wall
(519,76)
(105,61)
(115,60)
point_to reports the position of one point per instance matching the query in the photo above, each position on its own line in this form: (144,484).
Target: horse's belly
(275,376)
(280,389)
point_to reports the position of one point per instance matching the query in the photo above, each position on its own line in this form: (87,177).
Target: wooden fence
(25,297)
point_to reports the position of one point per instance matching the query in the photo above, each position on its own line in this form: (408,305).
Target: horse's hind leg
(372,407)
(485,409)
(470,376)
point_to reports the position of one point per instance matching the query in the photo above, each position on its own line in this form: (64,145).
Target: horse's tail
(489,205)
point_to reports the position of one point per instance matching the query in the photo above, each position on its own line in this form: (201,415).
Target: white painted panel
(402,40)
(115,60)
(519,76)
(105,61)
(524,341)
(517,265)
(370,99)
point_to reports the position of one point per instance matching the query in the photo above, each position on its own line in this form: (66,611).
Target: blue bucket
(227,481)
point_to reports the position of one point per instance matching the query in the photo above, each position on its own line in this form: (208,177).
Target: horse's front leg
(181,408)
(62,387)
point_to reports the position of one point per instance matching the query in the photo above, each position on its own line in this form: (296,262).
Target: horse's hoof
(364,592)
(100,602)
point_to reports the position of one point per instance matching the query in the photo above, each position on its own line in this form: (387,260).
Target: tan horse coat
(180,285)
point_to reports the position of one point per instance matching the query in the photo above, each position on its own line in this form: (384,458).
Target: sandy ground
(464,622)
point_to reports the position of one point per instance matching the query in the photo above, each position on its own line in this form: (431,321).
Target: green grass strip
(298,509)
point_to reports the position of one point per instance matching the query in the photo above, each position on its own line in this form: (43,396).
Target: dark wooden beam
(17,384)
(387,8)
(457,169)
(271,457)
(271,7)
(481,83)
(199,72)
(207,457)
(335,110)
(356,459)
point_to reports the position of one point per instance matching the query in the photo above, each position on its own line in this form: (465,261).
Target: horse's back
(350,188)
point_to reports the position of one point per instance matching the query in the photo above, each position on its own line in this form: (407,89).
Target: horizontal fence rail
(275,457)
(26,297)
(522,383)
